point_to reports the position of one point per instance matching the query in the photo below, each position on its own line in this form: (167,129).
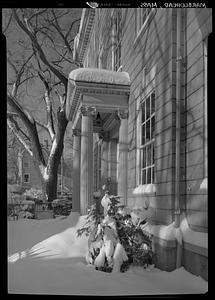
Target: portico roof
(101,88)
(93,75)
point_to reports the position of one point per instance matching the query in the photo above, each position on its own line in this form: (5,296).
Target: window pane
(143,176)
(143,112)
(148,175)
(147,108)
(153,127)
(147,131)
(153,174)
(152,103)
(148,154)
(143,135)
(26,178)
(153,154)
(147,158)
(143,158)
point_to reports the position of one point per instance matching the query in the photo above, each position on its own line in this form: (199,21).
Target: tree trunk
(51,183)
(51,173)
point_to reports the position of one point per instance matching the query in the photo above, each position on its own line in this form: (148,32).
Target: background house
(141,127)
(28,177)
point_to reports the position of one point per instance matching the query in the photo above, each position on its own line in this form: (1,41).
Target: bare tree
(45,58)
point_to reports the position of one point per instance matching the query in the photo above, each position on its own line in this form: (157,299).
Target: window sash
(147,163)
(147,152)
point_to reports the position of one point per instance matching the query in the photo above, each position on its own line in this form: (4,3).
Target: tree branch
(19,138)
(38,48)
(60,97)
(8,24)
(72,24)
(19,74)
(37,13)
(11,119)
(59,30)
(30,125)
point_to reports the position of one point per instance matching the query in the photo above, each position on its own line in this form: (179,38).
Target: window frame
(24,181)
(144,146)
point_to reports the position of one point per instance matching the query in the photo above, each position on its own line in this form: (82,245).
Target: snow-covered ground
(46,257)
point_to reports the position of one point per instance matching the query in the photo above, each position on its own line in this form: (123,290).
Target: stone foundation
(195,262)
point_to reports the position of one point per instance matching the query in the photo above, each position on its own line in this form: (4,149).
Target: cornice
(82,40)
(87,20)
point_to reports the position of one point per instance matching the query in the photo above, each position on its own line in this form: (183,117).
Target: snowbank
(193,237)
(171,233)
(60,245)
(161,231)
(50,259)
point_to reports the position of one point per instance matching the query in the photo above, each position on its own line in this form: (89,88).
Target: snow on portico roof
(100,76)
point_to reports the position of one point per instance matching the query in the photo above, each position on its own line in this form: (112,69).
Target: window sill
(144,27)
(146,189)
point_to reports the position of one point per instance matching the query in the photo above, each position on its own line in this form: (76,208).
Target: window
(141,17)
(26,178)
(117,38)
(147,152)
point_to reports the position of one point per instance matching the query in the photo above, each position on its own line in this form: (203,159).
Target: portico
(97,106)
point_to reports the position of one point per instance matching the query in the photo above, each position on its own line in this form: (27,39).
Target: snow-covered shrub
(115,241)
(33,194)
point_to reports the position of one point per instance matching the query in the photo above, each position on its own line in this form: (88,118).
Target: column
(86,176)
(104,158)
(123,156)
(112,166)
(76,170)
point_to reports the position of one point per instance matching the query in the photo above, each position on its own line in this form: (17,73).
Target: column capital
(87,110)
(122,114)
(76,132)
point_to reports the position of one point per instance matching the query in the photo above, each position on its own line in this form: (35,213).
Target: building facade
(29,176)
(138,108)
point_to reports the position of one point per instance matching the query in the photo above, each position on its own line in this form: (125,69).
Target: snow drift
(46,257)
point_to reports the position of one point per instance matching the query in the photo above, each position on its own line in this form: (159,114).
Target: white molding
(145,189)
(87,20)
